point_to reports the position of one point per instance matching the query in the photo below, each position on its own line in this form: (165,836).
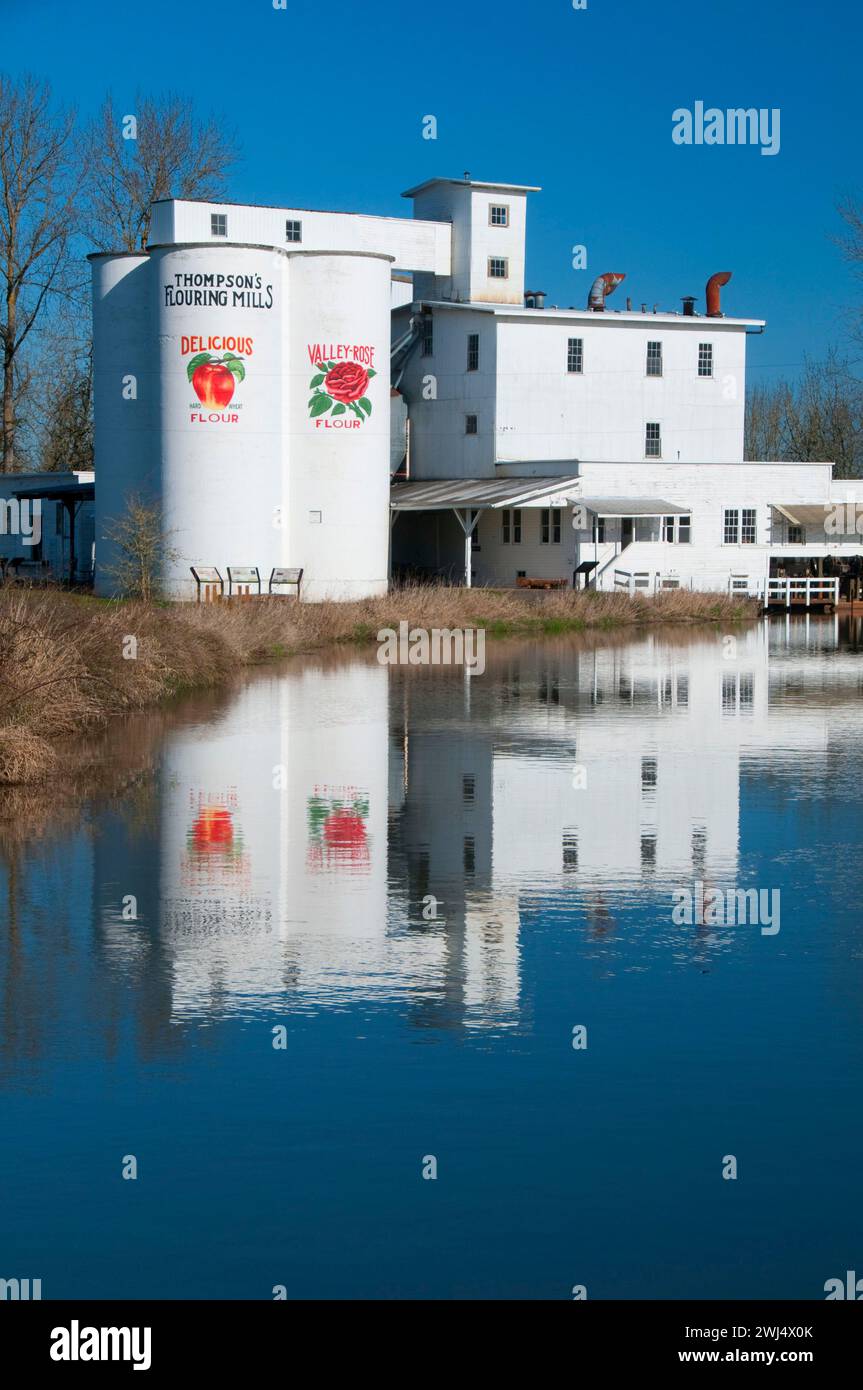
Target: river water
(372,978)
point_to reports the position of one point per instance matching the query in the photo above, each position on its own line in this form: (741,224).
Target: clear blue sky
(327,99)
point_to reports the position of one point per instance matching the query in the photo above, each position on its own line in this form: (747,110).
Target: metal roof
(81,492)
(476,492)
(631,506)
(800,514)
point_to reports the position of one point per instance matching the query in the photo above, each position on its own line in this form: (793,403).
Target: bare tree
(38,183)
(817,419)
(158,151)
(141,550)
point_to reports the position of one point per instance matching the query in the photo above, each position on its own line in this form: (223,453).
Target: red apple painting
(213,378)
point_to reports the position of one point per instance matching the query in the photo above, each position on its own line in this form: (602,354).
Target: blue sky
(327,100)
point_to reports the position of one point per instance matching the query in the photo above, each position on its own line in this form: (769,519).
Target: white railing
(802,592)
(639,581)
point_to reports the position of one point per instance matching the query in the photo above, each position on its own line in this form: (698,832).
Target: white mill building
(361,396)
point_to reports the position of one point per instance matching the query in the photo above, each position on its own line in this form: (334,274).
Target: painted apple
(213,828)
(213,379)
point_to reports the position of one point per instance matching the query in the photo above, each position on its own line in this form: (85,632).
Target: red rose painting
(339,388)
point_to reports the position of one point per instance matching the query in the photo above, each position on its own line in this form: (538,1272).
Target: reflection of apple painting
(214,842)
(213,378)
(337,828)
(213,828)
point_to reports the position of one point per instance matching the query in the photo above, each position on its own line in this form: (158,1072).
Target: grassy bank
(70,663)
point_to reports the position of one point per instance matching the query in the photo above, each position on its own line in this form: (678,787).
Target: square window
(218,224)
(293,231)
(473,352)
(498,215)
(796,535)
(498,268)
(470,424)
(575,355)
(654,359)
(705,359)
(652,440)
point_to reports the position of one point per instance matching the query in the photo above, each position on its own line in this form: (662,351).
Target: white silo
(219,321)
(124,390)
(338,332)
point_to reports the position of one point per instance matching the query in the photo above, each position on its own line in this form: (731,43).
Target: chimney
(689,306)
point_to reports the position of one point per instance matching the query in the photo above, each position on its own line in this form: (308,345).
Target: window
(511,526)
(293,231)
(575,355)
(498,215)
(599,529)
(427,336)
(654,359)
(796,535)
(498,268)
(705,359)
(470,424)
(473,352)
(684,530)
(747,526)
(668,528)
(474,535)
(652,440)
(730,527)
(218,224)
(550,529)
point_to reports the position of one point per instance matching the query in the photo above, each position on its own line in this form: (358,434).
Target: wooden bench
(524,583)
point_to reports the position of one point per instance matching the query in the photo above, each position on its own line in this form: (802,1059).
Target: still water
(271,862)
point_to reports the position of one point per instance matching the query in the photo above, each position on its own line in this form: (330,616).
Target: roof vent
(534,299)
(689,306)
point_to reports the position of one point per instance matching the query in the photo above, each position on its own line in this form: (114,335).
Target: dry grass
(69,663)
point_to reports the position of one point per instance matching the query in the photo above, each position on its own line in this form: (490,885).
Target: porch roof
(631,506)
(478,493)
(804,514)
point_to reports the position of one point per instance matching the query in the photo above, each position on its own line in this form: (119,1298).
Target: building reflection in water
(346,833)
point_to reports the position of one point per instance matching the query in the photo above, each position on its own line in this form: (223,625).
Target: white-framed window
(550,526)
(427,336)
(511,526)
(498,215)
(474,535)
(652,440)
(575,355)
(473,352)
(739,526)
(470,424)
(218,224)
(599,524)
(747,526)
(684,530)
(668,528)
(796,535)
(293,230)
(654,359)
(705,359)
(498,268)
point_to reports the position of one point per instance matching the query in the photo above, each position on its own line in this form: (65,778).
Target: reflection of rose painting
(338,387)
(338,834)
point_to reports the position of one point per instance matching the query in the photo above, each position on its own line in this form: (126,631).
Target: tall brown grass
(69,663)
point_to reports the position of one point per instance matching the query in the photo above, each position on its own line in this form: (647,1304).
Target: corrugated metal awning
(478,493)
(805,514)
(631,506)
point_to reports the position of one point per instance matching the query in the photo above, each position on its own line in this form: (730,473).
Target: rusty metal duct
(714,285)
(602,286)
